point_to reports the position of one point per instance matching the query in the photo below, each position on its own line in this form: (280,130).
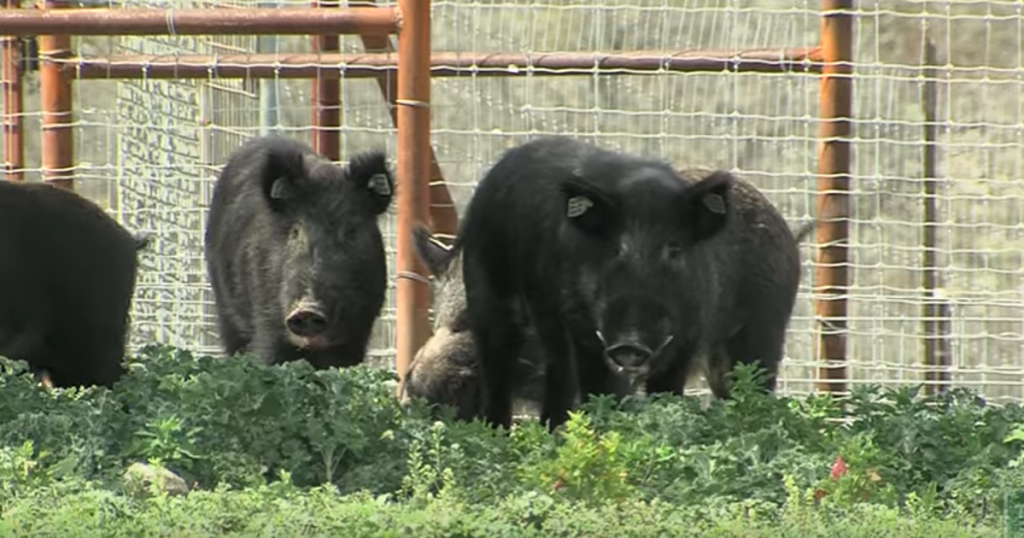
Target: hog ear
(586,206)
(142,240)
(708,204)
(433,253)
(285,167)
(278,190)
(369,171)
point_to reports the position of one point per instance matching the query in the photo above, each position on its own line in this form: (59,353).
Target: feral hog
(294,253)
(67,275)
(444,370)
(633,275)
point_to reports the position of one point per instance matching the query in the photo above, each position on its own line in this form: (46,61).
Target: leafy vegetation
(313,452)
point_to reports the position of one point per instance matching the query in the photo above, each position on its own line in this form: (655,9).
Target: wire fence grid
(150,151)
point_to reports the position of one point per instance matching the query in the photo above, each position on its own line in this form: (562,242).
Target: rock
(146,475)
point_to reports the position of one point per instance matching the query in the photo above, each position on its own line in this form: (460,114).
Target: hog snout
(631,359)
(629,355)
(307,321)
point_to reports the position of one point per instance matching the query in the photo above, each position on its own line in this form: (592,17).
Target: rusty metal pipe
(834,168)
(447,64)
(413,293)
(443,217)
(327,97)
(55,97)
(285,21)
(14,127)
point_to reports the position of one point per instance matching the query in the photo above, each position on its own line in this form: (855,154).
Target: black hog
(633,275)
(444,370)
(294,253)
(67,275)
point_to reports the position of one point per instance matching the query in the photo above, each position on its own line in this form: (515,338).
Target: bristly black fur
(67,276)
(444,370)
(630,286)
(290,234)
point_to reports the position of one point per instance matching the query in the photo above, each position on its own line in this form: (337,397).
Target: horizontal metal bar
(365,65)
(285,21)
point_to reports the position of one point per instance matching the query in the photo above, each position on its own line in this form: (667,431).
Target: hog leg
(560,378)
(752,343)
(498,340)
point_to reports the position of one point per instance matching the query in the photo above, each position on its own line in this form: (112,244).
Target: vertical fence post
(833,189)
(413,293)
(443,218)
(269,87)
(937,354)
(327,96)
(55,95)
(14,130)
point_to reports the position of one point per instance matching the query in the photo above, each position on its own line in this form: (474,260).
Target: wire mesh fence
(150,150)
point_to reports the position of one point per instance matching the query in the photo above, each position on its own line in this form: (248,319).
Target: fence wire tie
(412,102)
(785,62)
(170,22)
(414,276)
(828,324)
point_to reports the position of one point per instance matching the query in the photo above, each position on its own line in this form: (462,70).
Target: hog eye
(673,250)
(294,233)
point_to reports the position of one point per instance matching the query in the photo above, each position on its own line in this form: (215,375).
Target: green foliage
(232,421)
(588,465)
(321,511)
(256,443)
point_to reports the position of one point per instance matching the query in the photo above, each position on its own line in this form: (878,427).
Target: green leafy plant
(237,425)
(588,466)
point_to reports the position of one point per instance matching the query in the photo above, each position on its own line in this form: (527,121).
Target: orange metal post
(286,21)
(833,188)
(443,217)
(327,96)
(413,102)
(55,96)
(14,149)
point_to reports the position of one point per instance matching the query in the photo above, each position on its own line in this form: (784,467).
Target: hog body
(294,253)
(67,275)
(444,370)
(634,275)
